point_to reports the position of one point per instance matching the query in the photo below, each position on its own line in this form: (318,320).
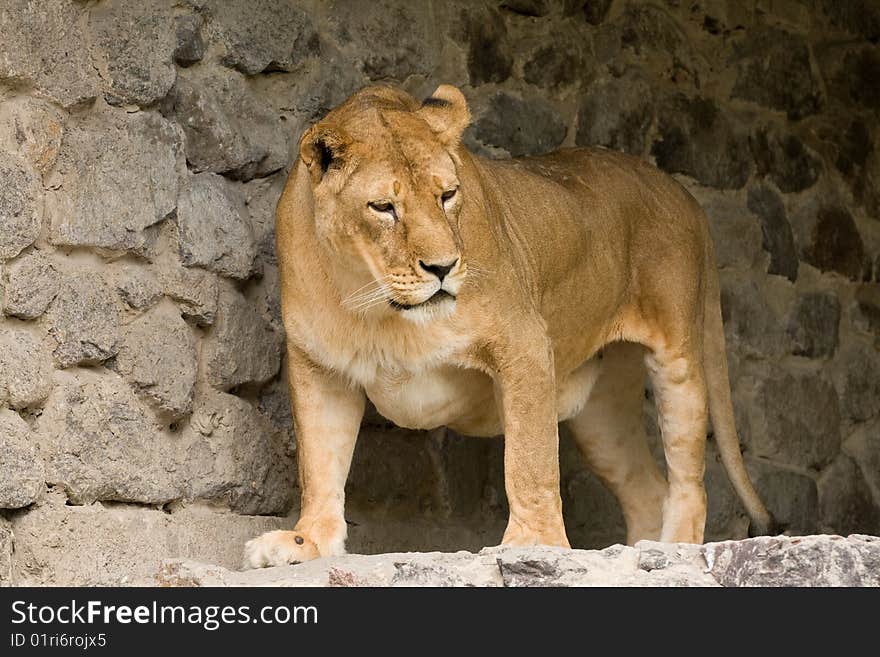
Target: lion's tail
(721,413)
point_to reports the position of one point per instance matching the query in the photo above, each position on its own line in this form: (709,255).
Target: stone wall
(143,145)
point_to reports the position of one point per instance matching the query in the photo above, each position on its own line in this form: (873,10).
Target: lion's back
(606,187)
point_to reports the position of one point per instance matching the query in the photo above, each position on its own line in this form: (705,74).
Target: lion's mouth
(438,297)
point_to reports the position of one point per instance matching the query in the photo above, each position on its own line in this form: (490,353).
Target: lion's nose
(439,270)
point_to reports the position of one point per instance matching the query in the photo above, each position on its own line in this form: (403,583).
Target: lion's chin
(439,306)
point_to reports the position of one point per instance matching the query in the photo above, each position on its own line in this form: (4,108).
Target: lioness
(497,297)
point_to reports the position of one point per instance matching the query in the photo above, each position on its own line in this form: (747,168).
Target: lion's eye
(384,207)
(447,195)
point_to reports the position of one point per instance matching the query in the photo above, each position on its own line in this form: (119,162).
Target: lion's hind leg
(610,433)
(682,408)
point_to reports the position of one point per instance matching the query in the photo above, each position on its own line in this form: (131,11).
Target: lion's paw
(279,548)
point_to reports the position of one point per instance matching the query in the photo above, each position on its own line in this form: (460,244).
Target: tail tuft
(771,527)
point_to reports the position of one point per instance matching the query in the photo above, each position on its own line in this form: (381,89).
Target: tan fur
(554,259)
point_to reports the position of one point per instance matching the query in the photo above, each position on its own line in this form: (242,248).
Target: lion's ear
(447,113)
(323,148)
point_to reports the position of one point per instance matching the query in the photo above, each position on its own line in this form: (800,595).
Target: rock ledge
(766,561)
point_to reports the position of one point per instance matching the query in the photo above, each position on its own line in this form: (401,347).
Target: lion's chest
(418,379)
(442,396)
(464,399)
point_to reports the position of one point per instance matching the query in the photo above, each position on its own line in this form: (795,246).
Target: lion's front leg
(327,415)
(526,386)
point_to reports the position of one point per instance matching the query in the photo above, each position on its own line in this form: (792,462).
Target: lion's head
(387,198)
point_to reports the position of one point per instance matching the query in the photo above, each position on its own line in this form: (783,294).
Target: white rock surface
(765,561)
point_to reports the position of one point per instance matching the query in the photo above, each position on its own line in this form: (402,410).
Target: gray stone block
(845,502)
(25,368)
(212,227)
(262,35)
(790,417)
(617,113)
(22,479)
(784,158)
(31,283)
(831,241)
(858,380)
(813,325)
(133,46)
(736,233)
(791,497)
(6,551)
(388,40)
(116,178)
(228,128)
(157,356)
(189,47)
(100,443)
(778,239)
(521,126)
(773,69)
(196,291)
(234,456)
(137,286)
(20,205)
(698,139)
(753,310)
(33,129)
(45,46)
(84,320)
(243,347)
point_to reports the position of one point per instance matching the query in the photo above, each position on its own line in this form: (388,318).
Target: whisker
(363,288)
(362,310)
(376,296)
(365,291)
(368,303)
(366,296)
